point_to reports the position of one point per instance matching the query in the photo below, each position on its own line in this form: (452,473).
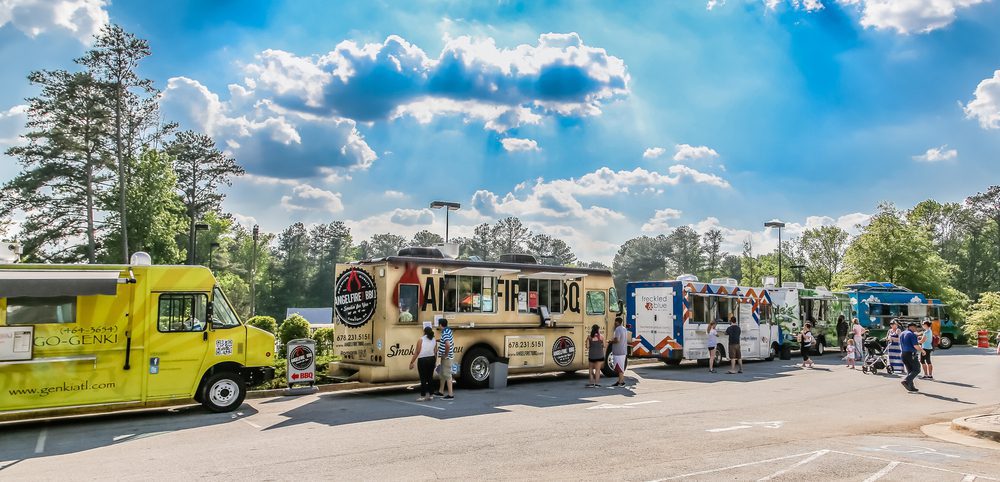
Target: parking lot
(773,422)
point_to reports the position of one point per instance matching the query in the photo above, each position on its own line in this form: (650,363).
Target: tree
(986,205)
(731,268)
(749,268)
(293,269)
(64,168)
(711,246)
(823,249)
(327,247)
(155,209)
(237,291)
(509,236)
(480,244)
(890,249)
(293,328)
(985,315)
(550,250)
(265,323)
(382,245)
(324,340)
(426,238)
(201,170)
(132,102)
(640,259)
(594,265)
(685,253)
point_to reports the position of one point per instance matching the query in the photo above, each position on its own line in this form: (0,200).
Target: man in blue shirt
(910,346)
(446,352)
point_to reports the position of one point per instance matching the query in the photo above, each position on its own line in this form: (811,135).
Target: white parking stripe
(797,464)
(424,405)
(968,478)
(40,444)
(250,423)
(722,469)
(882,473)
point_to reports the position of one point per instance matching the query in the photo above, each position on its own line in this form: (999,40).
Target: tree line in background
(103,176)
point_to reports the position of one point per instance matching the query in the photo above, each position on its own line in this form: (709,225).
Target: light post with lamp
(449,206)
(779,225)
(253,272)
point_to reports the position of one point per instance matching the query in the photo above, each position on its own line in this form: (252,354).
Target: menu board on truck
(15,342)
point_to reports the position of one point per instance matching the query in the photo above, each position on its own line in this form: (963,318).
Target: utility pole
(253,272)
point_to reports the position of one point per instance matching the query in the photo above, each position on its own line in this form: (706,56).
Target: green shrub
(324,340)
(984,315)
(265,323)
(292,328)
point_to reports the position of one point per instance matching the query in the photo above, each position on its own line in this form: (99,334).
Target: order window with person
(546,293)
(37,311)
(469,294)
(409,299)
(596,303)
(698,309)
(182,312)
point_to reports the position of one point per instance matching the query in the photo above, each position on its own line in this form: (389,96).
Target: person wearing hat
(910,346)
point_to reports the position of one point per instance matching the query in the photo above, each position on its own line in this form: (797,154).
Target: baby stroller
(875,357)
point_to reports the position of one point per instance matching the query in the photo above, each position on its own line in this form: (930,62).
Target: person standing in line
(423,358)
(910,346)
(595,355)
(446,352)
(892,348)
(713,341)
(851,354)
(619,351)
(858,332)
(806,343)
(927,343)
(842,332)
(735,352)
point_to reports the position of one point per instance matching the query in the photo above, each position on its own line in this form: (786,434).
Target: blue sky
(592,121)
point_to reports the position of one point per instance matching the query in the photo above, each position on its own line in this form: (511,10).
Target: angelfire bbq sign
(354,299)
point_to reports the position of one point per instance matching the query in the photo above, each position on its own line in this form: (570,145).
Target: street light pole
(253,272)
(449,206)
(779,225)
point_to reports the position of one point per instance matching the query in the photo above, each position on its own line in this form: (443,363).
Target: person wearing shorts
(927,343)
(446,351)
(735,352)
(619,351)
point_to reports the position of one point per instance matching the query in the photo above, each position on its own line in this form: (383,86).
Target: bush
(985,315)
(324,340)
(265,323)
(293,327)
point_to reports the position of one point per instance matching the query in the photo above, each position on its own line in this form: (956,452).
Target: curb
(986,426)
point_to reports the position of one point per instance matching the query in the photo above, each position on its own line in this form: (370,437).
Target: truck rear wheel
(476,367)
(945,342)
(608,370)
(223,392)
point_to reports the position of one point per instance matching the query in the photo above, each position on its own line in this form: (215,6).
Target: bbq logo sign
(563,351)
(354,299)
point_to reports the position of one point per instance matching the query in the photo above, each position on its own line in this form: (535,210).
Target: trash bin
(498,373)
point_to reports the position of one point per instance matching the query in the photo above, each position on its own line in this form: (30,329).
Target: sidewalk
(986,426)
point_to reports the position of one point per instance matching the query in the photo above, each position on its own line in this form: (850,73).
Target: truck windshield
(222,315)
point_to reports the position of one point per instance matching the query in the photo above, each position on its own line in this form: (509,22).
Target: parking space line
(939,469)
(737,466)
(882,473)
(250,423)
(417,404)
(793,466)
(968,478)
(40,444)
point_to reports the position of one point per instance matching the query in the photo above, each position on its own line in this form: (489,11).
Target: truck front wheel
(223,392)
(945,342)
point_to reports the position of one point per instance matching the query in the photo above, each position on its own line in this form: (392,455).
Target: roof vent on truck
(687,278)
(724,281)
(793,284)
(420,252)
(518,258)
(140,258)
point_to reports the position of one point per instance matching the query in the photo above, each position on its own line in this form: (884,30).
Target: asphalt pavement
(775,421)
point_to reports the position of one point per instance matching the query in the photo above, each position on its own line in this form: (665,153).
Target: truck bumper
(257,375)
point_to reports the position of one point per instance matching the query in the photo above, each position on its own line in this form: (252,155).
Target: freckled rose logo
(354,297)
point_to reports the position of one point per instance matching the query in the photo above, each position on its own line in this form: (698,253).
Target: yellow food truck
(87,338)
(536,316)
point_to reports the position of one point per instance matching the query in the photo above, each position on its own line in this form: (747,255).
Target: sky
(592,121)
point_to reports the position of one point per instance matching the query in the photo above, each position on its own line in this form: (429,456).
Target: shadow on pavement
(61,436)
(753,371)
(542,391)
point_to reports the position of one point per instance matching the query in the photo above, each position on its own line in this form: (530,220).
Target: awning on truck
(552,275)
(18,283)
(481,271)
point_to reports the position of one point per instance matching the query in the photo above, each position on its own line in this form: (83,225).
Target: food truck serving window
(36,311)
(469,294)
(547,292)
(182,312)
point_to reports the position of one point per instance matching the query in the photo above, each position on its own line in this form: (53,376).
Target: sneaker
(929,377)
(449,397)
(596,385)
(590,385)
(438,394)
(421,399)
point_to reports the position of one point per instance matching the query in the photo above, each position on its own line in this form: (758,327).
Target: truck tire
(820,348)
(476,367)
(223,392)
(786,352)
(945,342)
(772,352)
(606,369)
(672,361)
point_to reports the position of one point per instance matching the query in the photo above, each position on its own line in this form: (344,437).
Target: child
(851,354)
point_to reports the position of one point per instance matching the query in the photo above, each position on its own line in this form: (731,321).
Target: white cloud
(698,176)
(412,217)
(245,221)
(12,123)
(660,222)
(985,106)
(685,152)
(653,152)
(714,3)
(513,144)
(765,240)
(394,194)
(308,198)
(80,18)
(901,16)
(937,154)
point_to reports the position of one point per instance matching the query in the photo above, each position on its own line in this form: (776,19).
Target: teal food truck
(875,304)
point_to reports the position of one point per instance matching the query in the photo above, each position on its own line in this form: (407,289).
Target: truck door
(750,337)
(177,344)
(654,318)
